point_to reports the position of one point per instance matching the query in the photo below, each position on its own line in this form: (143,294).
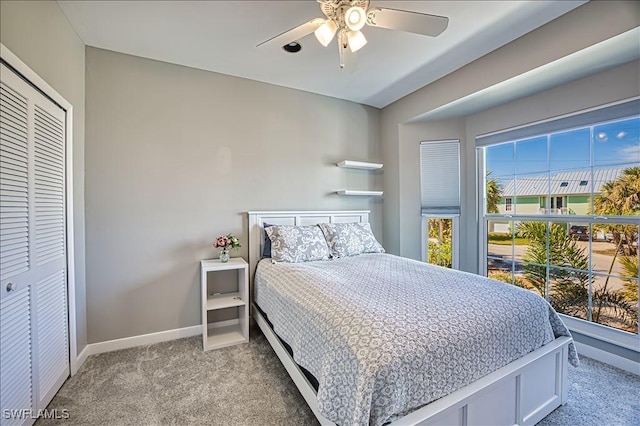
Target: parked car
(579,232)
(634,242)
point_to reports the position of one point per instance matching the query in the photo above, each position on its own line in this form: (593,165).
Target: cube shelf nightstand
(219,334)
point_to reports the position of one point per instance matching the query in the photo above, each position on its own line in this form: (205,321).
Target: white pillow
(297,243)
(350,239)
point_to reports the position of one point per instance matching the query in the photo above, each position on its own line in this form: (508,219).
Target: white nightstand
(219,334)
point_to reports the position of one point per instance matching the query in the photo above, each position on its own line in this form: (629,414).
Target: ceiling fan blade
(294,34)
(410,22)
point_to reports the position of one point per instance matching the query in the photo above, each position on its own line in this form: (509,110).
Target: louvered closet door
(33,278)
(16,392)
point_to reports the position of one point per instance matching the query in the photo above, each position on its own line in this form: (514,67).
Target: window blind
(440,177)
(586,118)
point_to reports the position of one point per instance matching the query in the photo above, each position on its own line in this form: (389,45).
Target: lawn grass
(506,239)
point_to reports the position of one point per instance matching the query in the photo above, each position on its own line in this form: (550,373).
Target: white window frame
(591,329)
(455,237)
(448,212)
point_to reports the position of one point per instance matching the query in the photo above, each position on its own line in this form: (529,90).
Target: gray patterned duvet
(385,335)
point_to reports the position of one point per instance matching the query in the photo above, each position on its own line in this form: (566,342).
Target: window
(557,203)
(508,204)
(572,234)
(441,245)
(440,196)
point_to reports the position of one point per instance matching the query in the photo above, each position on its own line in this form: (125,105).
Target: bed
(366,349)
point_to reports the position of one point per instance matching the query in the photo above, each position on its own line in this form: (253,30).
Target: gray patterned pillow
(350,239)
(297,243)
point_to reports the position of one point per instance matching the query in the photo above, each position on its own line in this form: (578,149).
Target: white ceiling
(221,36)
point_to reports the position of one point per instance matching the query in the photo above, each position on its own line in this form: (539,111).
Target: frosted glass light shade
(356,40)
(355,17)
(325,32)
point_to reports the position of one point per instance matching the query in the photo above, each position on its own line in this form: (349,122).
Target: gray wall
(40,35)
(567,34)
(175,156)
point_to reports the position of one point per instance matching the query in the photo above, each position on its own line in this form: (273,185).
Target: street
(602,256)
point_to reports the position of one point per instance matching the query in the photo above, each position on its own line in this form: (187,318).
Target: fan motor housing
(335,9)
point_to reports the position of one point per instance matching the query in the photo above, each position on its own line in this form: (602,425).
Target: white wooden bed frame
(520,393)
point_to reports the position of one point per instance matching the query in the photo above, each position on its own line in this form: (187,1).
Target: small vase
(224,255)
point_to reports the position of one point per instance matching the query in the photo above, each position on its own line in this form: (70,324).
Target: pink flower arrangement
(225,242)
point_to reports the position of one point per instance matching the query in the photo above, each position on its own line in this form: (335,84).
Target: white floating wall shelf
(365,193)
(349,164)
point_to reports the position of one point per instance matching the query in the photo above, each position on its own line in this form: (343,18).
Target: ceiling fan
(347,17)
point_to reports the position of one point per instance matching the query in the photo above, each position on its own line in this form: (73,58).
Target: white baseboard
(608,358)
(82,357)
(144,339)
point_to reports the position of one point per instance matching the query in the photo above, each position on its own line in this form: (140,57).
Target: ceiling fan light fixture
(325,32)
(355,18)
(356,40)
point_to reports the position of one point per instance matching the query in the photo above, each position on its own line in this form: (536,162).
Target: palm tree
(494,193)
(630,271)
(621,197)
(568,289)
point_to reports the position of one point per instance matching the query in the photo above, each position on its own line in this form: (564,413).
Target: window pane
(616,143)
(578,197)
(612,305)
(534,277)
(500,159)
(569,245)
(531,156)
(440,242)
(570,150)
(531,242)
(532,191)
(500,240)
(530,255)
(612,244)
(569,291)
(500,269)
(616,191)
(570,192)
(498,189)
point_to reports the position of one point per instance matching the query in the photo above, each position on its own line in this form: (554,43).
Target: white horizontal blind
(440,177)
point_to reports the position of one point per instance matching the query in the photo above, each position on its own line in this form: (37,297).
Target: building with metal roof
(559,193)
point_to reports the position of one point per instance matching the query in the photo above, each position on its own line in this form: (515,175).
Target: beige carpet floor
(176,383)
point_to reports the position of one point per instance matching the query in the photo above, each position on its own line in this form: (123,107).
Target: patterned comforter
(385,335)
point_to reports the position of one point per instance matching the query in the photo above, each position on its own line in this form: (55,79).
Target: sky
(615,144)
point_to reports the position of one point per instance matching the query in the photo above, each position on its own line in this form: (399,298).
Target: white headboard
(256,230)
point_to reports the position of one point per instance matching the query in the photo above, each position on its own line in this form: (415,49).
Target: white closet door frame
(38,82)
